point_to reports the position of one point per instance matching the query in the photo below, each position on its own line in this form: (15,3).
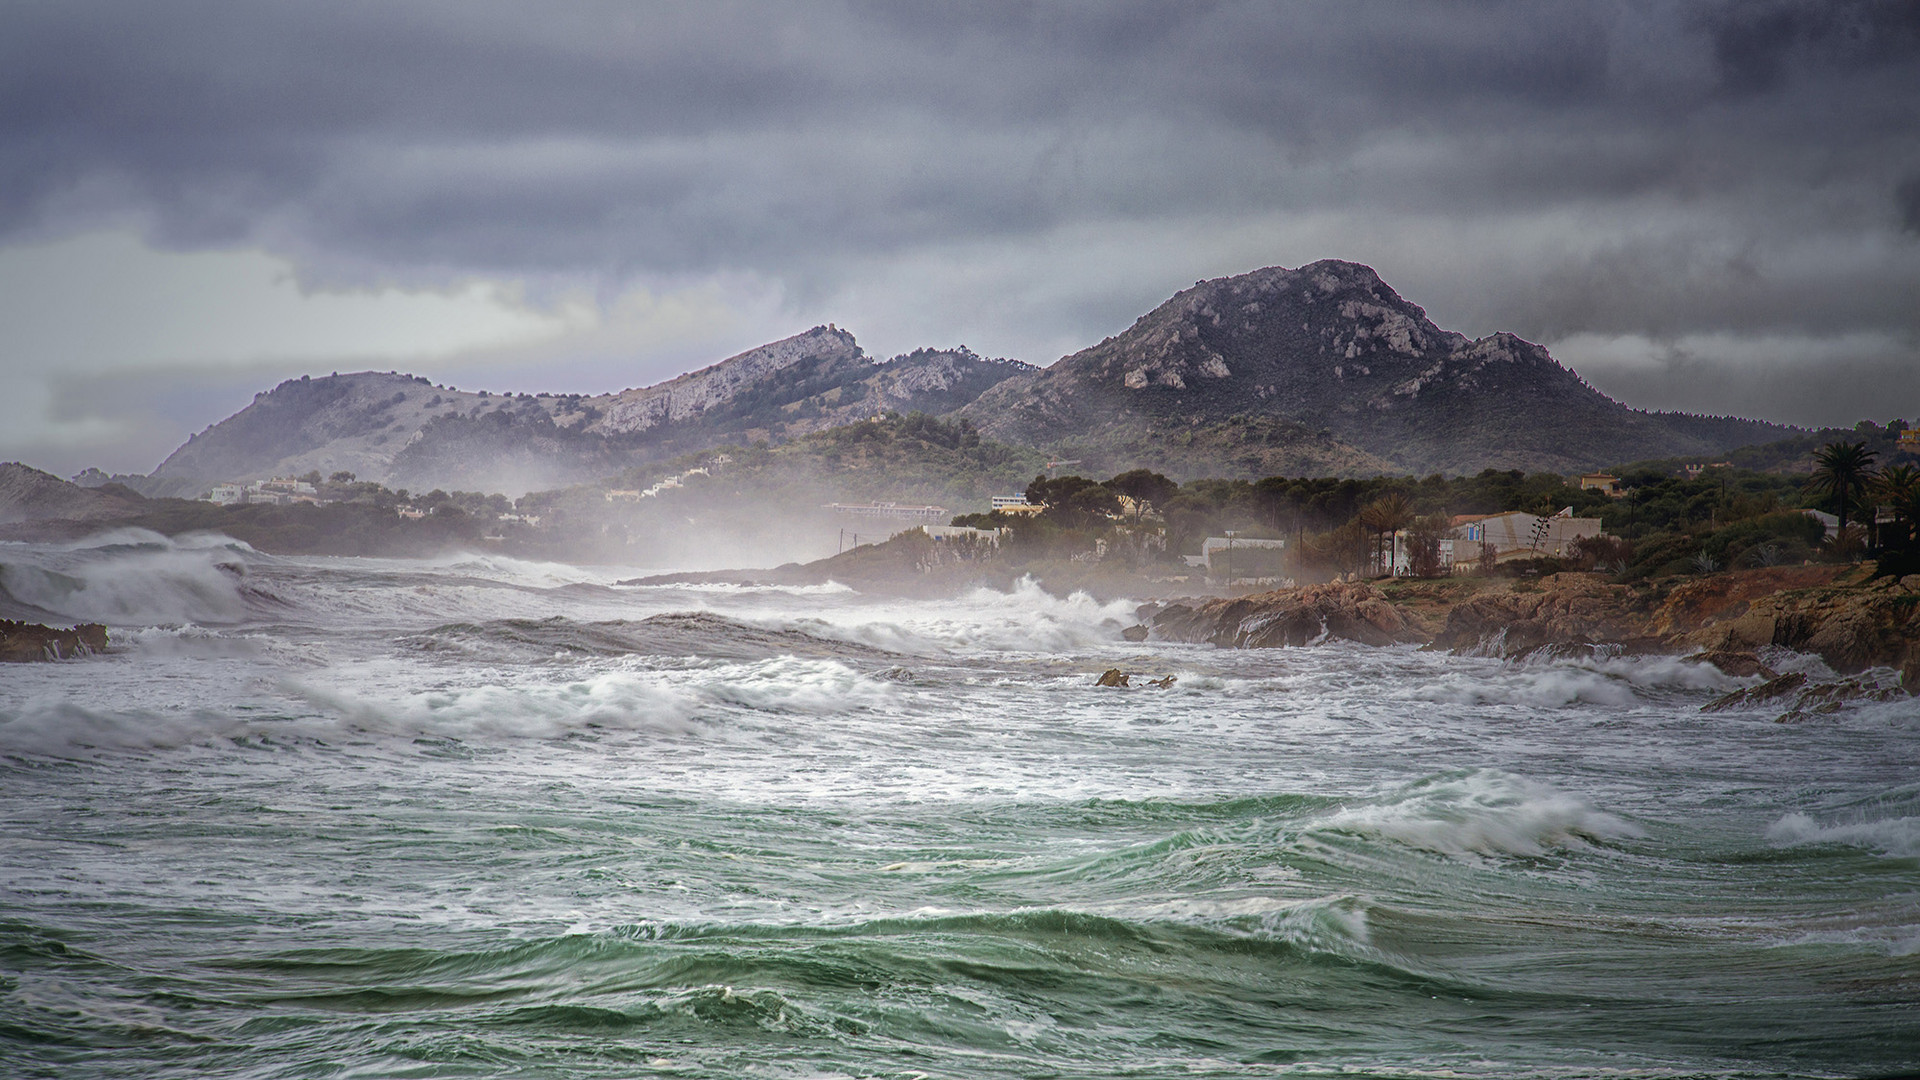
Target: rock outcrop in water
(26,642)
(1852,621)
(1349,611)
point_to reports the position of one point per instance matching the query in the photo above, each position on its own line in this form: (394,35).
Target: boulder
(1112,677)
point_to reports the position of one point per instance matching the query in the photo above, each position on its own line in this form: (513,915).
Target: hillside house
(1605,483)
(227,494)
(1015,504)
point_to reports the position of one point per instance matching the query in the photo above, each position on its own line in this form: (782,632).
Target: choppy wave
(678,633)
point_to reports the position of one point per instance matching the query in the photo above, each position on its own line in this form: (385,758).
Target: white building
(1401,555)
(890,510)
(1517,534)
(1015,504)
(228,494)
(1241,556)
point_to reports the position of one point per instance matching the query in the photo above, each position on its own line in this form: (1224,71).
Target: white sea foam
(1897,837)
(1024,619)
(1485,812)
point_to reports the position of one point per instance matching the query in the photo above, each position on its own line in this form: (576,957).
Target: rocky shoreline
(1850,619)
(22,642)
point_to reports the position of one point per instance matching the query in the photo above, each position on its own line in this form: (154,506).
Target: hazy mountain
(1320,371)
(404,431)
(1328,358)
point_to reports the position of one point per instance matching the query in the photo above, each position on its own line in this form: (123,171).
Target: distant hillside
(1794,455)
(1361,373)
(27,494)
(404,431)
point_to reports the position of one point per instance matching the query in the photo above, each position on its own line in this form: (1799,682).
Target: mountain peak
(1330,346)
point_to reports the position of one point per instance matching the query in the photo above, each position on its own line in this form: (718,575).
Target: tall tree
(1843,470)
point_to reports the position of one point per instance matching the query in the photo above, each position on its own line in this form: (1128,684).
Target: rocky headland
(1849,618)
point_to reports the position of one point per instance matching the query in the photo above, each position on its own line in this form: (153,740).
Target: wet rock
(1164,684)
(1112,677)
(22,642)
(1826,699)
(1753,695)
(1737,663)
(1134,633)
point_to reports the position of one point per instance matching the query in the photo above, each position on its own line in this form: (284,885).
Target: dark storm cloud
(1650,169)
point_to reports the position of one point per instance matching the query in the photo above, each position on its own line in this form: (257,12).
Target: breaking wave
(133,577)
(1484,812)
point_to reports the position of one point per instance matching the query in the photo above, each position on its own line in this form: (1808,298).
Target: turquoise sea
(476,817)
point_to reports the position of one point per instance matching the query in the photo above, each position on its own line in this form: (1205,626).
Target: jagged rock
(24,642)
(1164,684)
(1738,664)
(1754,695)
(1566,609)
(1112,677)
(1349,611)
(1134,633)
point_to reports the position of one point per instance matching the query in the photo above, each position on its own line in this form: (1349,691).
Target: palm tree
(1387,514)
(1843,470)
(1899,485)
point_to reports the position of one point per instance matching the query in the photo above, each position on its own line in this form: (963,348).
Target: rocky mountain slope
(1358,370)
(404,431)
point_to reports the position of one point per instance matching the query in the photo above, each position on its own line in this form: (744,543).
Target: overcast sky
(1712,207)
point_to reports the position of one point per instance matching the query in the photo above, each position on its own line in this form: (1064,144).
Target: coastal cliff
(1850,619)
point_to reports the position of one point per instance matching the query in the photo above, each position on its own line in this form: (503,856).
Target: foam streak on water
(481,817)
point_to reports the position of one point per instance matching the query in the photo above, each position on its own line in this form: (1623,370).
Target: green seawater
(491,820)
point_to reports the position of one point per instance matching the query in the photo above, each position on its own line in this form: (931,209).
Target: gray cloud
(1597,168)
